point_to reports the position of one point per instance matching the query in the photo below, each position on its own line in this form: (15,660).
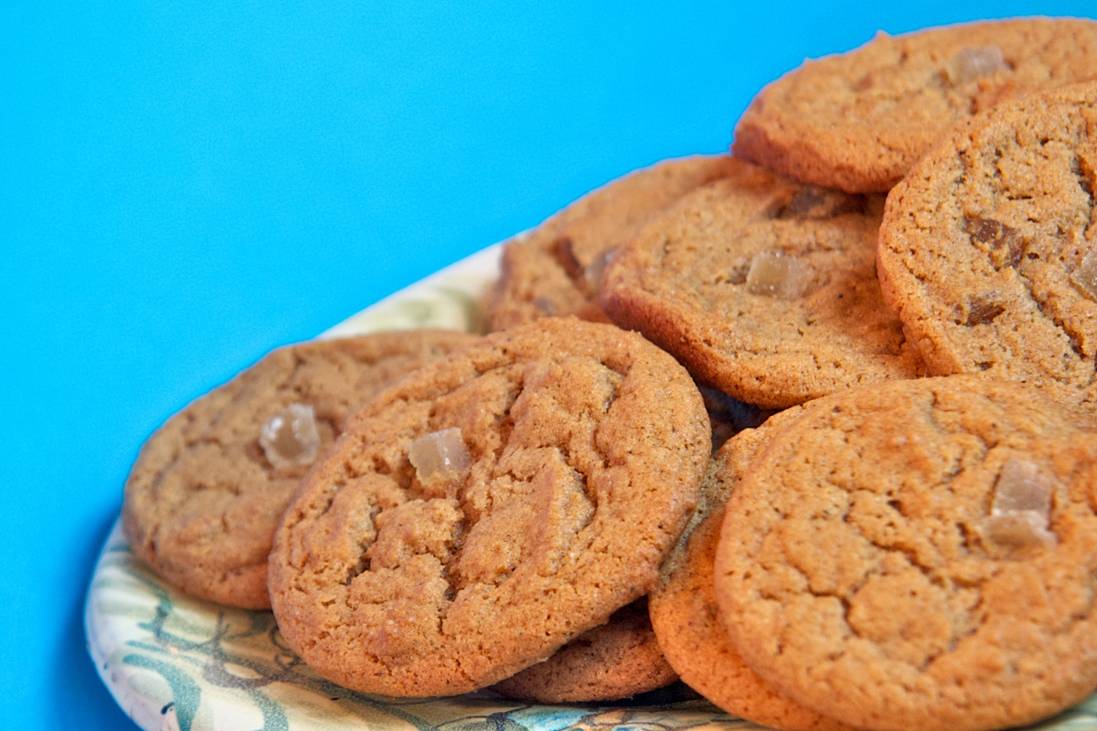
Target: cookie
(763,288)
(919,555)
(859,121)
(683,606)
(490,509)
(618,660)
(555,270)
(208,488)
(988,250)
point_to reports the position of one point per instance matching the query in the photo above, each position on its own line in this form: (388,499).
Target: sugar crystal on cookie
(594,271)
(439,453)
(970,64)
(1085,276)
(777,274)
(1021,508)
(290,438)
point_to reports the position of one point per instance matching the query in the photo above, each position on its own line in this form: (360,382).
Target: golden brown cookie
(860,120)
(988,251)
(490,509)
(920,555)
(555,269)
(618,660)
(683,606)
(764,288)
(209,487)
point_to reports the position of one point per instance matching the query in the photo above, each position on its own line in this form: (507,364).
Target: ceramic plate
(173,662)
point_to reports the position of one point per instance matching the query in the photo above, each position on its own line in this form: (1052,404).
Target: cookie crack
(911,556)
(1083,175)
(453,585)
(515,375)
(364,563)
(839,596)
(506,425)
(1073,338)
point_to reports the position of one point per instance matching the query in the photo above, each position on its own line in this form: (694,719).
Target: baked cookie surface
(683,606)
(204,496)
(555,270)
(764,288)
(919,555)
(618,660)
(490,509)
(858,121)
(988,250)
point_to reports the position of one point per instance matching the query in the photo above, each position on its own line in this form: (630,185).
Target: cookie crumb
(969,64)
(290,438)
(776,274)
(440,453)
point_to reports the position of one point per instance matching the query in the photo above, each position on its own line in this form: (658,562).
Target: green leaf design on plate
(185,692)
(274,718)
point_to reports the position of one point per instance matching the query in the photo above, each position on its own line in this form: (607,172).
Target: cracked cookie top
(573,454)
(557,268)
(919,555)
(859,121)
(208,488)
(988,250)
(764,288)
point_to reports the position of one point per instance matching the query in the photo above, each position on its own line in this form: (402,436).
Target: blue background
(181,189)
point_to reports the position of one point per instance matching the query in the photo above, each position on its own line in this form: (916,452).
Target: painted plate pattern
(173,662)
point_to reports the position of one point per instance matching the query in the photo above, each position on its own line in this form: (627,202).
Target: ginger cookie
(490,509)
(208,488)
(919,555)
(683,606)
(618,660)
(555,270)
(763,288)
(988,250)
(859,121)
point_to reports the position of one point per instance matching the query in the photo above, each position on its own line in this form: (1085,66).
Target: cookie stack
(432,513)
(922,206)
(883,306)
